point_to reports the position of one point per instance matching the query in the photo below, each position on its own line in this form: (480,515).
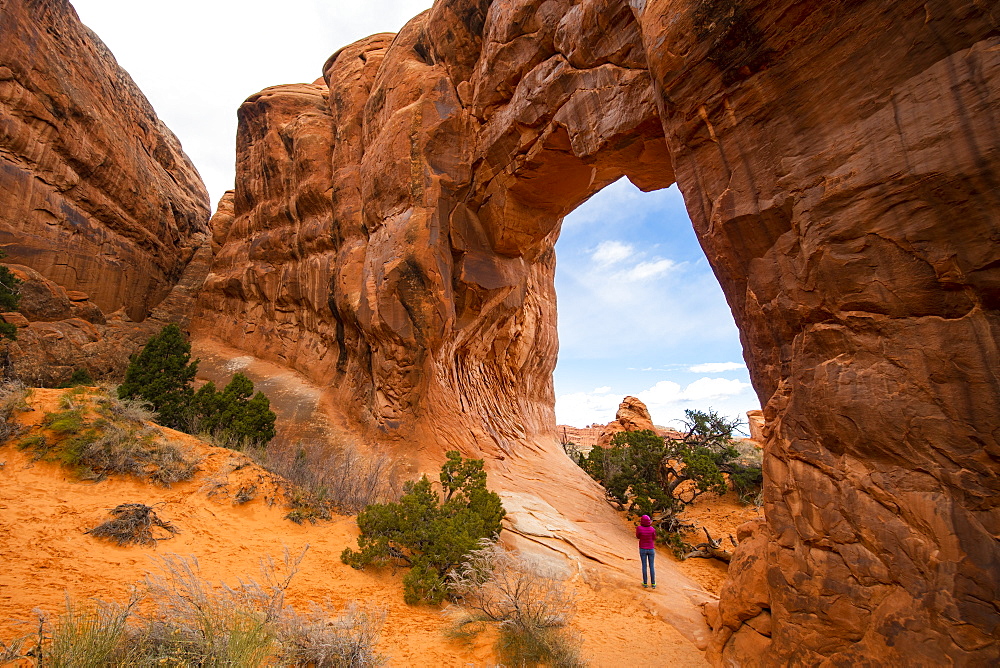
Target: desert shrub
(9,299)
(196,623)
(161,375)
(307,506)
(642,472)
(245,625)
(191,622)
(133,524)
(528,606)
(325,639)
(13,396)
(116,442)
(64,423)
(95,635)
(235,414)
(79,377)
(428,531)
(331,477)
(746,475)
(130,410)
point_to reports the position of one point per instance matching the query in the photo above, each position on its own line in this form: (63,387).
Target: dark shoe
(654,586)
(644,585)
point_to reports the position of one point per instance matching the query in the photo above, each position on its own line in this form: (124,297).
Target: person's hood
(645,521)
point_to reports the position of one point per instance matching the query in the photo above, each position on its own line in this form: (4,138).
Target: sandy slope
(45,555)
(555,512)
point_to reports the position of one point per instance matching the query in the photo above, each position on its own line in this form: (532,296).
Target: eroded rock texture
(841,163)
(393,231)
(95,192)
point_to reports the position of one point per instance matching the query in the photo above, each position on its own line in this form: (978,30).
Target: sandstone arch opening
(641,313)
(392,237)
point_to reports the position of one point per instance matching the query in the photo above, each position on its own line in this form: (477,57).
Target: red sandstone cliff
(840,163)
(98,202)
(392,232)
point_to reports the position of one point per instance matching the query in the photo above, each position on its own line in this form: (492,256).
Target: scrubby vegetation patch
(430,531)
(529,607)
(97,435)
(189,621)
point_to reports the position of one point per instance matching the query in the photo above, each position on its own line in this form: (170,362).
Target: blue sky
(639,310)
(641,313)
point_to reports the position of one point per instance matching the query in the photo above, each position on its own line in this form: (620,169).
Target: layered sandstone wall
(101,213)
(393,231)
(97,195)
(841,165)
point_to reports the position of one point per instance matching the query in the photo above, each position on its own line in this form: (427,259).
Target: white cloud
(602,390)
(666,401)
(715,367)
(645,271)
(611,252)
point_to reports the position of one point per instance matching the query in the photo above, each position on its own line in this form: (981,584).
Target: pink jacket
(646,534)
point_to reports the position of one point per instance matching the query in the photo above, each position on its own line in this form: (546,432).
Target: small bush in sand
(430,531)
(529,608)
(191,622)
(64,423)
(133,524)
(95,635)
(201,624)
(130,410)
(324,639)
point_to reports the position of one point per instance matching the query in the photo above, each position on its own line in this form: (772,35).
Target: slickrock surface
(392,238)
(95,192)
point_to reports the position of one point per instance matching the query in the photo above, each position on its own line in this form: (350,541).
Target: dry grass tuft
(133,524)
(191,622)
(13,398)
(528,606)
(331,478)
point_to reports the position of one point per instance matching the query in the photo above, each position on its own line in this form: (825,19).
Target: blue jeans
(648,556)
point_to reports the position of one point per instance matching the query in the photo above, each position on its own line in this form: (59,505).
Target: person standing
(647,548)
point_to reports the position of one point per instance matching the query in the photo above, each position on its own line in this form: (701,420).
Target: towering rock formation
(393,238)
(96,196)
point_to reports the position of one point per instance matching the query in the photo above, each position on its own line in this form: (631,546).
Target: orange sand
(45,554)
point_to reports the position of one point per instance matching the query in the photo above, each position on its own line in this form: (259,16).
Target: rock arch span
(391,236)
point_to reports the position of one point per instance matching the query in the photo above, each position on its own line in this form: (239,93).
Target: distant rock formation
(632,415)
(98,203)
(393,238)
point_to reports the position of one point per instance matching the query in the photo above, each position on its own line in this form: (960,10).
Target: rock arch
(391,236)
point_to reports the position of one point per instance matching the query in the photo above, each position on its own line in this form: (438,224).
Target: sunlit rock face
(841,164)
(394,228)
(392,237)
(95,192)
